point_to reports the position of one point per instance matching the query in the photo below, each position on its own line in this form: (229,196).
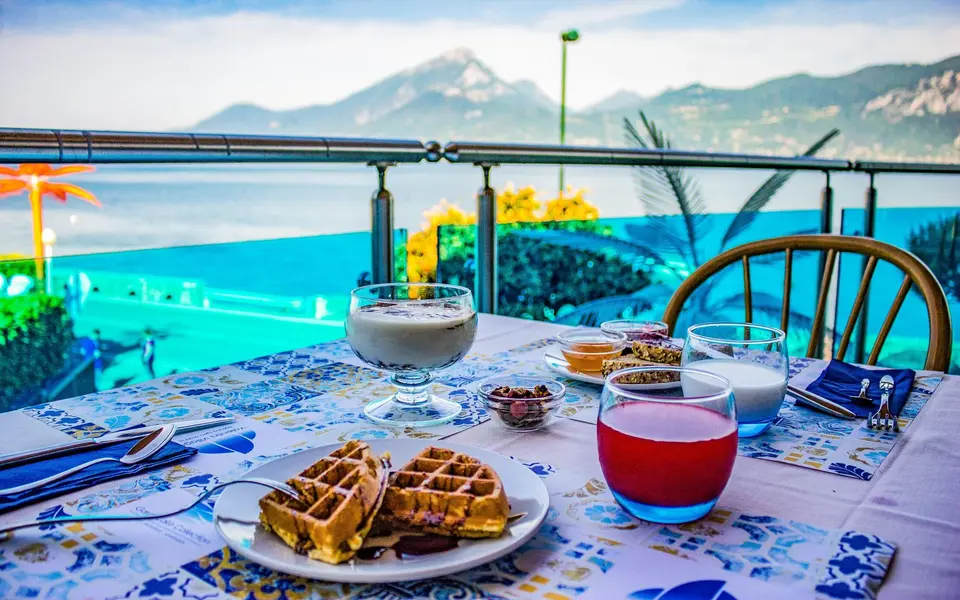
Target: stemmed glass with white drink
(411,330)
(753,358)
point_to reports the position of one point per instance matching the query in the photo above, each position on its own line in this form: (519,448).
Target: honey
(588,357)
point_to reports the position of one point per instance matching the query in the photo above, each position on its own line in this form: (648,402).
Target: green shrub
(11,265)
(538,279)
(35,335)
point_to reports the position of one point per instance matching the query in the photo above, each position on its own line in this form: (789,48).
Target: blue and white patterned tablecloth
(801,436)
(295,400)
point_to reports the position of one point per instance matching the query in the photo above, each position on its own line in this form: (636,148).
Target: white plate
(558,364)
(236,513)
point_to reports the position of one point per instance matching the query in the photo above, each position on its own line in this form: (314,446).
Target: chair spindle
(816,332)
(747,292)
(888,322)
(787,284)
(857,306)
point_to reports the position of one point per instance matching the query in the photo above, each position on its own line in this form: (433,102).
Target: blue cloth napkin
(25,473)
(840,382)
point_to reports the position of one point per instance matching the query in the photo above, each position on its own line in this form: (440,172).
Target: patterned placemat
(802,436)
(832,562)
(585,535)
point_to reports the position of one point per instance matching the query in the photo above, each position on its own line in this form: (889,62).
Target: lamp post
(571,35)
(48,237)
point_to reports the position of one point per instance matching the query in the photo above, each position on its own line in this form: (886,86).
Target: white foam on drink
(668,422)
(412,335)
(411,313)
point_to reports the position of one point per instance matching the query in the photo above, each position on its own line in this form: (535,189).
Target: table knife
(114,437)
(820,403)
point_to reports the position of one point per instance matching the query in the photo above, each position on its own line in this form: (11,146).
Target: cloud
(147,74)
(597,14)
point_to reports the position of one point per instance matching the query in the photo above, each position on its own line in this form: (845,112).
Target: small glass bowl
(522,414)
(585,348)
(637,330)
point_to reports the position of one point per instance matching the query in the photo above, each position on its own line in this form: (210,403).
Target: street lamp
(48,237)
(567,36)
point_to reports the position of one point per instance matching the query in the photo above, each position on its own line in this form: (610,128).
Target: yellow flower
(513,206)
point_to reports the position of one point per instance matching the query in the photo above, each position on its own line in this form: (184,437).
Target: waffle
(444,492)
(339,498)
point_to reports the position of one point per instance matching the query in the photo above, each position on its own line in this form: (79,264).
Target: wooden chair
(916,273)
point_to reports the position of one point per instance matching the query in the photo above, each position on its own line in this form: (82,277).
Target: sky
(166,64)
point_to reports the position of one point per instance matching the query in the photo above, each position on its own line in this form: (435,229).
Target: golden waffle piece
(448,493)
(339,498)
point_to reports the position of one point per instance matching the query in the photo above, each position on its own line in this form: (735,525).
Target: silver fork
(270,483)
(883,418)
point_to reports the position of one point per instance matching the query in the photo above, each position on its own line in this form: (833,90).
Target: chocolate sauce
(409,546)
(371,553)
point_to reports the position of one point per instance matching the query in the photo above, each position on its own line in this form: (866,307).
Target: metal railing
(108,147)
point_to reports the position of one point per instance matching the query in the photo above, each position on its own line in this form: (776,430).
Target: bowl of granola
(522,402)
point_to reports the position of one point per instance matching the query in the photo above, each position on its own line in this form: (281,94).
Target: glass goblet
(411,330)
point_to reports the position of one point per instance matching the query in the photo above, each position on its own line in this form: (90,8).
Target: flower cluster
(513,206)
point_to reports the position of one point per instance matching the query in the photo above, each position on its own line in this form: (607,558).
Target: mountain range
(884,112)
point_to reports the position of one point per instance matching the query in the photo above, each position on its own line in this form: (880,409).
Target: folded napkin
(32,471)
(840,382)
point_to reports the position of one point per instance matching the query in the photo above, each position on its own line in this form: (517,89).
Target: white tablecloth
(913,500)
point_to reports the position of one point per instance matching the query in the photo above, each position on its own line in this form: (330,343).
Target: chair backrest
(916,273)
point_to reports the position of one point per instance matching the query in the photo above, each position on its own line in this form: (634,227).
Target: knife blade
(820,403)
(114,437)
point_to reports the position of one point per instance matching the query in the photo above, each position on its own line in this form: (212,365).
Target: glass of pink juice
(667,450)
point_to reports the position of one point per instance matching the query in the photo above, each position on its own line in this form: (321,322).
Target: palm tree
(675,215)
(34,178)
(936,244)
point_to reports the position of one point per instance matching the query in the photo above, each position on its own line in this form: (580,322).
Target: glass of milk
(752,357)
(411,330)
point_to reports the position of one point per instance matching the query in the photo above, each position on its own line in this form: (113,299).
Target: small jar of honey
(585,348)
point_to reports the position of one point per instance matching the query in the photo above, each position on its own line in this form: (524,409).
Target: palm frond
(660,234)
(595,312)
(760,198)
(667,190)
(768,306)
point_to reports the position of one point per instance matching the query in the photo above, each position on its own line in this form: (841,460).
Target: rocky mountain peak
(936,95)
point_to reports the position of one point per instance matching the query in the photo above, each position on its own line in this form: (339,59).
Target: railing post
(486,245)
(826,226)
(826,206)
(381,228)
(870,209)
(869,230)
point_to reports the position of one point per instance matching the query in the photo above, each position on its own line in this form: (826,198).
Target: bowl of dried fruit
(522,402)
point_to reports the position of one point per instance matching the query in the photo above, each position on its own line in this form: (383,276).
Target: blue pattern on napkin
(25,473)
(840,381)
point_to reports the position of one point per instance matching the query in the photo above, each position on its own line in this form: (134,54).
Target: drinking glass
(753,358)
(667,454)
(636,329)
(411,330)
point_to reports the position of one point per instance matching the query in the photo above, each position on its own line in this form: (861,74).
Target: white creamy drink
(758,390)
(412,336)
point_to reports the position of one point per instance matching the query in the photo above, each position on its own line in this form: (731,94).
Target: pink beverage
(662,454)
